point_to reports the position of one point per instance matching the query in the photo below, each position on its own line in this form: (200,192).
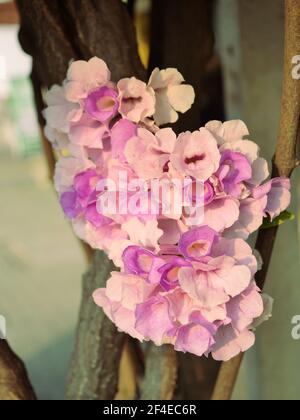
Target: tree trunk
(54,32)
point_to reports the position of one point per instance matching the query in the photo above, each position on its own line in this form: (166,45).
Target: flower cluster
(187,277)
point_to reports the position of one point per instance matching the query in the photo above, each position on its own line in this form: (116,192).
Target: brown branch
(94,369)
(14,382)
(285,161)
(161,373)
(55,32)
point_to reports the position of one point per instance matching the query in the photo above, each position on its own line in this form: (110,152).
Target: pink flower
(197,243)
(213,283)
(122,317)
(233,171)
(137,100)
(144,234)
(81,199)
(143,263)
(221,213)
(171,96)
(60,113)
(196,337)
(230,343)
(102,104)
(66,170)
(196,154)
(278,195)
(186,276)
(148,154)
(120,133)
(230,136)
(250,218)
(244,308)
(153,320)
(229,131)
(85,76)
(239,250)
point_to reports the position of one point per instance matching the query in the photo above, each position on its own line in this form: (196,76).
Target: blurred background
(41,262)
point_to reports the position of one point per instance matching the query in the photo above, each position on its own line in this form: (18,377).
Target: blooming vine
(187,275)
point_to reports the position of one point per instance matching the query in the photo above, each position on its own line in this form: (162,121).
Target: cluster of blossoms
(182,280)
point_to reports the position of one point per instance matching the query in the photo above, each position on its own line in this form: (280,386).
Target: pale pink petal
(160,79)
(238,249)
(236,280)
(229,343)
(222,213)
(196,154)
(229,131)
(125,321)
(250,218)
(153,319)
(127,289)
(172,230)
(146,234)
(260,171)
(181,97)
(164,112)
(279,197)
(246,147)
(137,100)
(166,140)
(194,338)
(88,132)
(244,308)
(199,287)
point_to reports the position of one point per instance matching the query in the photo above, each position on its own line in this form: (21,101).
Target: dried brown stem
(285,161)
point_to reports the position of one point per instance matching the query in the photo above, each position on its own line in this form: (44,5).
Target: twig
(284,163)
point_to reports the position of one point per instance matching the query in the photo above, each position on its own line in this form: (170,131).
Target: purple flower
(121,132)
(102,104)
(70,204)
(83,199)
(141,262)
(85,186)
(169,273)
(234,169)
(197,243)
(196,337)
(95,218)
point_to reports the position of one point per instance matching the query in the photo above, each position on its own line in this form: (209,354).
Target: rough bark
(285,161)
(161,373)
(14,382)
(182,37)
(94,370)
(55,32)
